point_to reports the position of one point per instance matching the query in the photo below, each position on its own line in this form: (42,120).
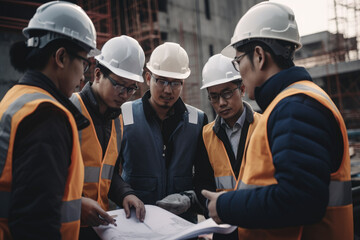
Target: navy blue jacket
(306,146)
(153,166)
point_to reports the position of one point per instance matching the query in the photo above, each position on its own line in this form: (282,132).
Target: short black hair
(105,71)
(281,61)
(23,57)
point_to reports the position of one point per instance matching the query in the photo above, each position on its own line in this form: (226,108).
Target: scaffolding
(334,50)
(140,19)
(99,12)
(135,18)
(344,89)
(15,15)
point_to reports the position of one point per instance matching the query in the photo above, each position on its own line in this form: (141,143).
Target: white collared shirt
(234,133)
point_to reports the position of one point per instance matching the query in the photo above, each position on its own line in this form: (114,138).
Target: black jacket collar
(278,82)
(178,109)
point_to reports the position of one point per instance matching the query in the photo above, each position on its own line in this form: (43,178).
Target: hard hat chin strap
(42,41)
(286,50)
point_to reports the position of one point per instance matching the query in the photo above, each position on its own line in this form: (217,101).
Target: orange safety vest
(259,171)
(225,178)
(18,103)
(98,169)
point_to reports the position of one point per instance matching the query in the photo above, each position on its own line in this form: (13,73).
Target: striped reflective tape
(6,119)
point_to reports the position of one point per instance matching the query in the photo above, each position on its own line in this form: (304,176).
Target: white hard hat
(267,20)
(62,20)
(169,60)
(124,57)
(218,70)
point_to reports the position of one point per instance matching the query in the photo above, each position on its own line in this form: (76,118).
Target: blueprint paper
(158,224)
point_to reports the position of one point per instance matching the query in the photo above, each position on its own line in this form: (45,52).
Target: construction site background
(203,28)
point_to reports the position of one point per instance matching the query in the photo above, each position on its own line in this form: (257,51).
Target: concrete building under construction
(203,28)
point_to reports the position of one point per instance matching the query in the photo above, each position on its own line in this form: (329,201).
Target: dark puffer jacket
(306,146)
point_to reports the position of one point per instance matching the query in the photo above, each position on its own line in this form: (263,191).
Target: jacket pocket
(145,188)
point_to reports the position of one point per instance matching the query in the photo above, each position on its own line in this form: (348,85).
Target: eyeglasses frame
(218,95)
(115,84)
(85,60)
(236,61)
(167,83)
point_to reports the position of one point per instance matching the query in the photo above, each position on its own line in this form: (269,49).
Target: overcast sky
(311,15)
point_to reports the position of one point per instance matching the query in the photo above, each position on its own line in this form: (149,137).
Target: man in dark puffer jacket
(295,183)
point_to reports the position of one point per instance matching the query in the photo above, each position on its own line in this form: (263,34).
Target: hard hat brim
(122,73)
(94,52)
(229,51)
(220,81)
(169,74)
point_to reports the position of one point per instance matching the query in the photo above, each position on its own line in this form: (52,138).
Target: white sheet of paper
(158,224)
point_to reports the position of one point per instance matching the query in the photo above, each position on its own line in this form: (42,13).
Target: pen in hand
(112,217)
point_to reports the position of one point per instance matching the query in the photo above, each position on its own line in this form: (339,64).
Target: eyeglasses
(236,61)
(163,83)
(86,62)
(227,94)
(121,88)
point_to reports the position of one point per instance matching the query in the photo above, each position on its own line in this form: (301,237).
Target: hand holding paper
(93,215)
(132,201)
(212,197)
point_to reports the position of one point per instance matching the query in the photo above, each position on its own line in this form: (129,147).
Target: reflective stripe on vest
(225,182)
(75,100)
(310,89)
(70,210)
(92,173)
(5,123)
(338,192)
(129,117)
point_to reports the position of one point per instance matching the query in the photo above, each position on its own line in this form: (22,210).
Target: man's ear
(59,57)
(260,57)
(148,78)
(242,89)
(97,75)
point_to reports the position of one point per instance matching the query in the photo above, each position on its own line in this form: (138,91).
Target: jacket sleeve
(204,176)
(306,146)
(41,158)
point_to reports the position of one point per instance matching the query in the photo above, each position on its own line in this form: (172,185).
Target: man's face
(252,72)
(164,91)
(73,72)
(115,90)
(226,99)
